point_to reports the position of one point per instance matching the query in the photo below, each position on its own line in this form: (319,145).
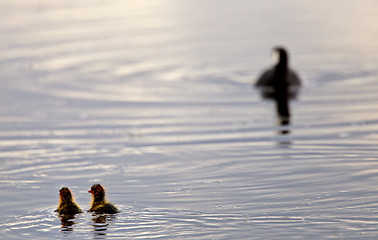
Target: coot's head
(97,191)
(65,194)
(282,55)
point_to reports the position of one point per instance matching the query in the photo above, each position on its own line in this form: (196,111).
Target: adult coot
(280,83)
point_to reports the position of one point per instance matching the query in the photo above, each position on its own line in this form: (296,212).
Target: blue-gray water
(153,99)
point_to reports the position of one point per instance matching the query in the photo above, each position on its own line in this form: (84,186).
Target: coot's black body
(280,83)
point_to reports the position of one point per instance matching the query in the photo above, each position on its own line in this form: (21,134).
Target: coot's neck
(283,63)
(281,75)
(66,201)
(99,198)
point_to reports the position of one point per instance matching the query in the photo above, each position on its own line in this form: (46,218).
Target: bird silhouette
(280,83)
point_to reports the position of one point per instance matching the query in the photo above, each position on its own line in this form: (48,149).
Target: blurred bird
(99,204)
(67,205)
(280,74)
(280,83)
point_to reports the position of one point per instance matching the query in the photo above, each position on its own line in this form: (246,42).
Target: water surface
(154,100)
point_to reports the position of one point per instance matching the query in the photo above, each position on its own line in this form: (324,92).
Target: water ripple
(154,100)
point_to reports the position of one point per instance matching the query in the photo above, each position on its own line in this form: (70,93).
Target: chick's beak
(90,191)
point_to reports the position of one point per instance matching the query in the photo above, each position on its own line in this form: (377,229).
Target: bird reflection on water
(67,222)
(100,224)
(280,84)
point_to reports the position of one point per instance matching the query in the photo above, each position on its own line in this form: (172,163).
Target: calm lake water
(154,100)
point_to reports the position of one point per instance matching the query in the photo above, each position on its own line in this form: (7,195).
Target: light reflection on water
(154,100)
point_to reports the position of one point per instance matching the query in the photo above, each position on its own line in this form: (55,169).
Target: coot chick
(67,204)
(99,204)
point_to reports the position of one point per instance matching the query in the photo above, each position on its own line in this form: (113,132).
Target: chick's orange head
(65,193)
(96,188)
